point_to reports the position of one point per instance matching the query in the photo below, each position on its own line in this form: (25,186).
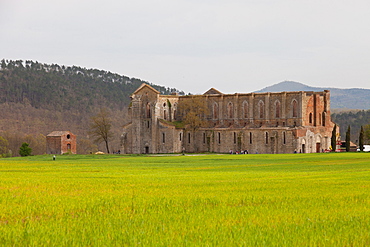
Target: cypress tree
(334,138)
(361,139)
(348,138)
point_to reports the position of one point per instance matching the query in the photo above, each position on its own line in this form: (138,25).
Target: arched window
(148,115)
(215,111)
(230,110)
(323,118)
(295,108)
(68,146)
(277,109)
(310,118)
(261,108)
(245,109)
(164,111)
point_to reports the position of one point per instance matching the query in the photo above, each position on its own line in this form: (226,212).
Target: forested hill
(36,99)
(58,87)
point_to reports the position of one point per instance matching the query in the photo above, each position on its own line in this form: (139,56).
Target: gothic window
(164,111)
(245,109)
(174,114)
(68,146)
(148,110)
(204,137)
(261,108)
(230,110)
(219,138)
(163,137)
(277,109)
(323,119)
(180,137)
(215,111)
(295,108)
(310,118)
(250,138)
(284,138)
(188,137)
(234,137)
(267,138)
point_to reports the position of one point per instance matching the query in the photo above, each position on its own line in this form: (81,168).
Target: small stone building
(60,142)
(284,122)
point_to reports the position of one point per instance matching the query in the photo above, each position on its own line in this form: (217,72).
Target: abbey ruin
(270,123)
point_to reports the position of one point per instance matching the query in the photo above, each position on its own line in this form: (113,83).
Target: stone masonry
(60,142)
(271,123)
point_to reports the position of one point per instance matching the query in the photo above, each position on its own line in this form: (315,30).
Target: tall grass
(212,200)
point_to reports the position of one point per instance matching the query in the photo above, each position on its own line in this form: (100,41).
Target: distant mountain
(352,98)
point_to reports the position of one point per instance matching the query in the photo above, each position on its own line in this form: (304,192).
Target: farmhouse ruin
(270,123)
(60,142)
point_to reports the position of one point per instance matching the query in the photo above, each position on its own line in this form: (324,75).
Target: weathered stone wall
(60,142)
(53,145)
(284,122)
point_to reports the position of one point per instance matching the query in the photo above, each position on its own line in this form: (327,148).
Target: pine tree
(25,150)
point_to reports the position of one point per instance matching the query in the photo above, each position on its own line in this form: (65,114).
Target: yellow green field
(207,200)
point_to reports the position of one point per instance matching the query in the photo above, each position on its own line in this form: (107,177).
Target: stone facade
(60,142)
(271,123)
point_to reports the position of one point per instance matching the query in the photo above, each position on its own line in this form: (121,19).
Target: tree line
(354,119)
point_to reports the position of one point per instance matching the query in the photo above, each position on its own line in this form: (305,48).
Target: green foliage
(354,118)
(334,138)
(56,87)
(361,139)
(209,200)
(348,138)
(25,150)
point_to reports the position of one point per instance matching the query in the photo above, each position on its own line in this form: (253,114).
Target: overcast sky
(193,45)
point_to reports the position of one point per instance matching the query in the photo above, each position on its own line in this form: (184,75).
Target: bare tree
(100,127)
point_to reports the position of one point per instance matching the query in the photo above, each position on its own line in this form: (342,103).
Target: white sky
(193,45)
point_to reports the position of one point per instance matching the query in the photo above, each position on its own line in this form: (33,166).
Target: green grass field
(208,200)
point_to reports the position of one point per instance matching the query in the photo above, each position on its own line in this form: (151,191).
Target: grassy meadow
(206,200)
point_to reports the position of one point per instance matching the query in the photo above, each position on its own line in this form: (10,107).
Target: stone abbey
(270,123)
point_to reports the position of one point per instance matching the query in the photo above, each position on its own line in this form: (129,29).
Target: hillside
(353,98)
(36,99)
